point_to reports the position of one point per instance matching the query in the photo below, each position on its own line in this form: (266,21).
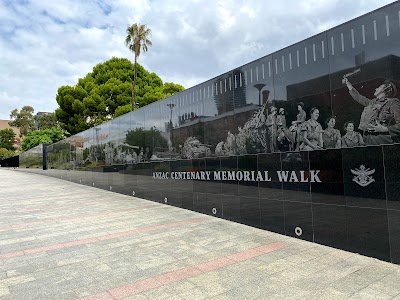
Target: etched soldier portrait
(381,111)
(312,132)
(330,136)
(296,126)
(272,129)
(351,138)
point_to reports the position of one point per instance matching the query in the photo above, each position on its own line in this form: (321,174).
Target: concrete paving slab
(62,240)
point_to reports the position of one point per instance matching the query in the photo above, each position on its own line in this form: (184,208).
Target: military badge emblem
(363,176)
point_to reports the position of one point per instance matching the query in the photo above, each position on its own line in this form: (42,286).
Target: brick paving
(61,240)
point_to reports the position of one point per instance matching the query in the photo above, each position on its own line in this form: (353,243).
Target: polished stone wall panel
(391,155)
(272,215)
(298,220)
(213,186)
(296,184)
(231,208)
(199,165)
(394,233)
(361,189)
(331,189)
(270,163)
(229,163)
(250,211)
(330,225)
(368,232)
(248,163)
(213,205)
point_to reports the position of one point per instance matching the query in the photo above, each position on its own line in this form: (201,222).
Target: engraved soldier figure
(351,138)
(382,111)
(271,125)
(281,118)
(331,136)
(392,130)
(284,137)
(312,132)
(296,126)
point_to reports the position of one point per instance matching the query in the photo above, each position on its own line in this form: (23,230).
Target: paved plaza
(62,240)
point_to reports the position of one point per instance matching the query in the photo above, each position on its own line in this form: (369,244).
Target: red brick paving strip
(82,216)
(99,238)
(51,206)
(182,274)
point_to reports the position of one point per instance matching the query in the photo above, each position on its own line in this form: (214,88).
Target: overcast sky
(45,44)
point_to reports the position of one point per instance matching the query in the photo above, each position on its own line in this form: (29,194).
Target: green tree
(23,119)
(7,139)
(121,110)
(105,93)
(46,121)
(143,138)
(137,39)
(171,88)
(70,111)
(45,136)
(5,153)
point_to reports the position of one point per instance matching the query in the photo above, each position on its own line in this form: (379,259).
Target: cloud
(8,103)
(46,44)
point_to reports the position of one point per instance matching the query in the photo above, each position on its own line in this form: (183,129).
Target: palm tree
(136,40)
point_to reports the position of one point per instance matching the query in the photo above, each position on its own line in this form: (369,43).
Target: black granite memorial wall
(11,162)
(302,142)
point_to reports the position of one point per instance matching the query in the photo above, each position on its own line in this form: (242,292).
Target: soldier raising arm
(381,111)
(356,95)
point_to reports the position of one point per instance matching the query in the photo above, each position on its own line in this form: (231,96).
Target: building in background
(4,125)
(40,113)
